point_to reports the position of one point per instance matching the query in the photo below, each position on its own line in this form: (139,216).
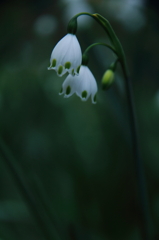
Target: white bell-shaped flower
(66,56)
(69,86)
(84,85)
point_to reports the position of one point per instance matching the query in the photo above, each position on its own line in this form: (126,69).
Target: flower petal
(86,84)
(67,53)
(68,86)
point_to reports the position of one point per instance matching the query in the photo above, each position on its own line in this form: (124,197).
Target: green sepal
(72,26)
(85,59)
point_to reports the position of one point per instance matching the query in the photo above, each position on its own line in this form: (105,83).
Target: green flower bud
(107,79)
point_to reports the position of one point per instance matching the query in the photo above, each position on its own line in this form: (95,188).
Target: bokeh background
(74,157)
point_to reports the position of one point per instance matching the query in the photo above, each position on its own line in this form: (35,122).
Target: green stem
(93,16)
(141,183)
(103,44)
(18,175)
(80,14)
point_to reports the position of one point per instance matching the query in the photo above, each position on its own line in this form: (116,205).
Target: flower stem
(40,216)
(141,183)
(100,43)
(144,213)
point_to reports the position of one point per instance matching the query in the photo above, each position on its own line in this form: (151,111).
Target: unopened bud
(107,79)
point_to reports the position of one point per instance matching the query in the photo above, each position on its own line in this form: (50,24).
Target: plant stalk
(145,224)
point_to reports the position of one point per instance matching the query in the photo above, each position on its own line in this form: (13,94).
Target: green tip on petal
(60,69)
(67,65)
(84,94)
(53,62)
(68,90)
(78,69)
(73,72)
(95,98)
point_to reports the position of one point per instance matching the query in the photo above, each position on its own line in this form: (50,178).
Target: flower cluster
(67,57)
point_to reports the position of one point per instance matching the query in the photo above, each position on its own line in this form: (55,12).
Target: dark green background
(75,157)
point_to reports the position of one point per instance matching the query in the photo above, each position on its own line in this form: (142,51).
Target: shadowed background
(76,157)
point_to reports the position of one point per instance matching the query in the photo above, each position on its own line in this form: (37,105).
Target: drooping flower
(66,56)
(84,85)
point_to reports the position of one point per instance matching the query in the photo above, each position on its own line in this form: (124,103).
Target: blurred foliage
(76,157)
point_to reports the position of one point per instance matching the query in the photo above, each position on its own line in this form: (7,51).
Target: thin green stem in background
(141,182)
(48,232)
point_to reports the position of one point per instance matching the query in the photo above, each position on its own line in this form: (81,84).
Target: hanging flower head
(84,85)
(67,55)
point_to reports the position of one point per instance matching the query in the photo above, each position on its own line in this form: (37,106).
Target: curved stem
(142,191)
(96,18)
(82,13)
(141,183)
(103,44)
(47,231)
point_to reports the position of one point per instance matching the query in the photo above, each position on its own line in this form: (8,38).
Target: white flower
(84,85)
(66,56)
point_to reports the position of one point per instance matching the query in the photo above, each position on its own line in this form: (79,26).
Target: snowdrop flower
(66,56)
(84,85)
